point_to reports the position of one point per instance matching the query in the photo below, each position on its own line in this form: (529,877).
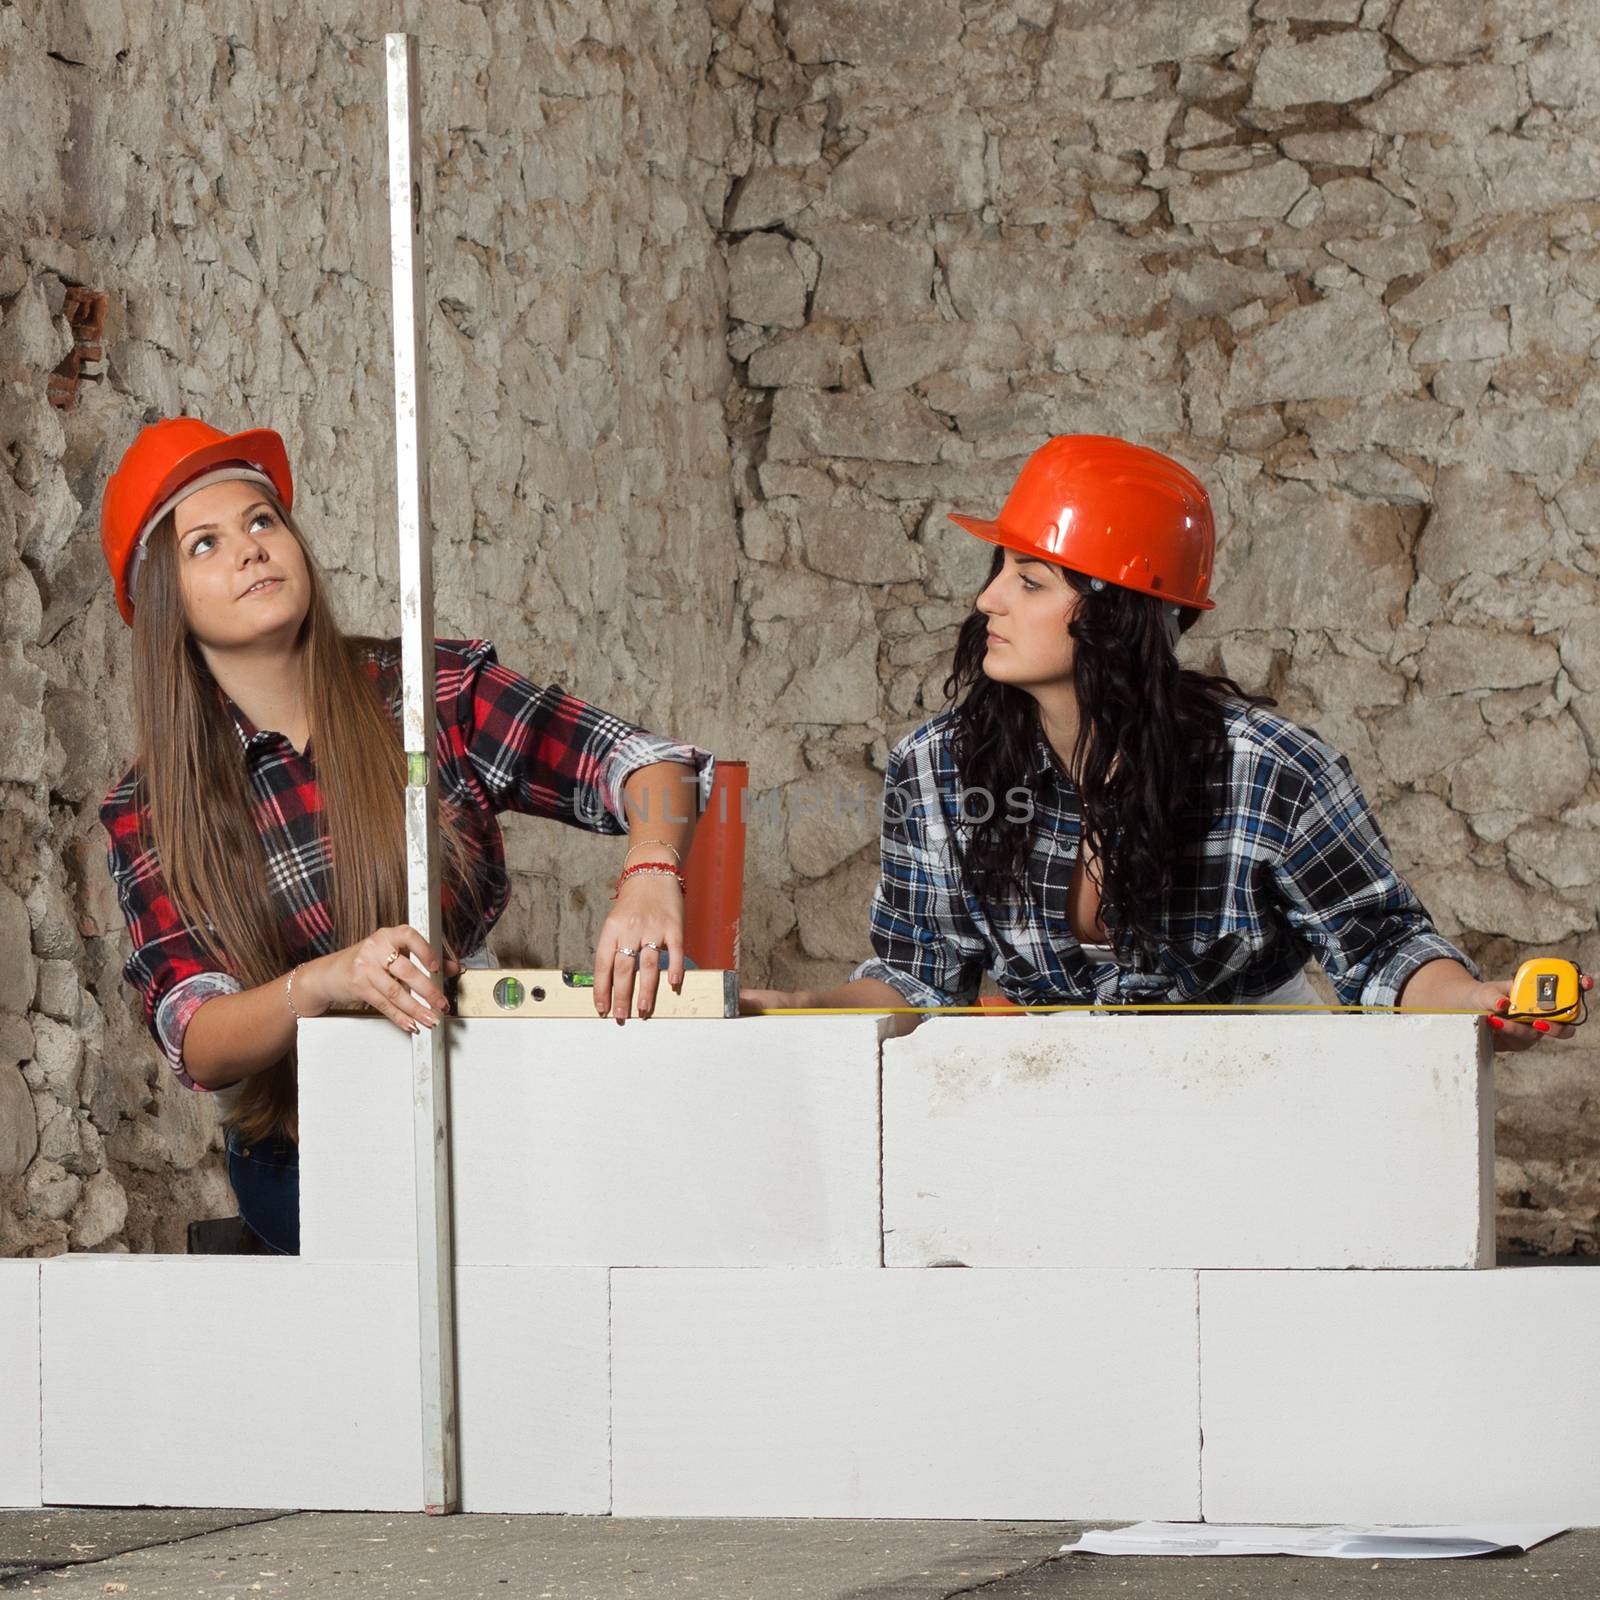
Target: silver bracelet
(288,991)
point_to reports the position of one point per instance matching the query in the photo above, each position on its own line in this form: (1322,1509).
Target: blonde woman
(257,841)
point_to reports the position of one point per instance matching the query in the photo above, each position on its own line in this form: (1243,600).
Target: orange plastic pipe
(714,873)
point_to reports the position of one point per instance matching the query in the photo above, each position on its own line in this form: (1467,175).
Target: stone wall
(1340,256)
(220,177)
(732,304)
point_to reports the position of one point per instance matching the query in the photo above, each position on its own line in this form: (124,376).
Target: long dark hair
(1149,736)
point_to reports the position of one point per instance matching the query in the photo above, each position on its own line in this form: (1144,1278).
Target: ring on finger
(650,944)
(388,966)
(625,950)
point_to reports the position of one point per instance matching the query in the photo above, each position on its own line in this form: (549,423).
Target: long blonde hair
(201,810)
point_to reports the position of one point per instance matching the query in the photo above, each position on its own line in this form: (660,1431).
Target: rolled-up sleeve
(176,1010)
(541,751)
(641,749)
(1341,893)
(922,935)
(172,970)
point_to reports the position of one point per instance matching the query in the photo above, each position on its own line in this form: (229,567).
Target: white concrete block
(578,1143)
(230,1381)
(19,1383)
(533,1354)
(1189,1141)
(1419,1397)
(807,1393)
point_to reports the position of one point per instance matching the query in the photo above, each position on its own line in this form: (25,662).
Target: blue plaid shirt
(1294,865)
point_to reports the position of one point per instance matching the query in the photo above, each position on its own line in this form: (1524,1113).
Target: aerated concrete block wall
(1072,1140)
(731,303)
(718,1338)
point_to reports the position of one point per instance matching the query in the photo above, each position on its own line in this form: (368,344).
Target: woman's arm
(1337,886)
(661,802)
(871,994)
(235,1036)
(1444,985)
(176,975)
(1368,929)
(541,751)
(1448,986)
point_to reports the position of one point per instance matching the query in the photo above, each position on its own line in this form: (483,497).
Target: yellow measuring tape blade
(1102,1007)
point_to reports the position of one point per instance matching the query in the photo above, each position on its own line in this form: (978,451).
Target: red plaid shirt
(503,744)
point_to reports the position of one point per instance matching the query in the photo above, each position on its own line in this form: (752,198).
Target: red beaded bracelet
(650,867)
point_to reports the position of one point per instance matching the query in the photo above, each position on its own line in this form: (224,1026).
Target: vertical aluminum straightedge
(429,1068)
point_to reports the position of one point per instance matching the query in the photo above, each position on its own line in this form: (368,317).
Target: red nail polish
(1502,1004)
(1542,1027)
(1496,1023)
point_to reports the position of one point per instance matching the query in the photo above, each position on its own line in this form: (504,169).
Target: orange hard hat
(1110,510)
(166,458)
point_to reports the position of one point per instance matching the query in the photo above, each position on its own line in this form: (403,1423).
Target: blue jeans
(265,1175)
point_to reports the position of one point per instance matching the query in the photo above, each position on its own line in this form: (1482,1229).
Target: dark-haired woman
(257,843)
(1091,822)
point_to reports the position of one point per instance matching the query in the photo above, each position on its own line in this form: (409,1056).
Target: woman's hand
(1445,985)
(645,925)
(1495,996)
(379,972)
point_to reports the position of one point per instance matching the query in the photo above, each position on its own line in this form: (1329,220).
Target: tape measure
(1545,989)
(1548,989)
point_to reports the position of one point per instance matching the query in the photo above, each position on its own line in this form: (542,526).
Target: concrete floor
(242,1555)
